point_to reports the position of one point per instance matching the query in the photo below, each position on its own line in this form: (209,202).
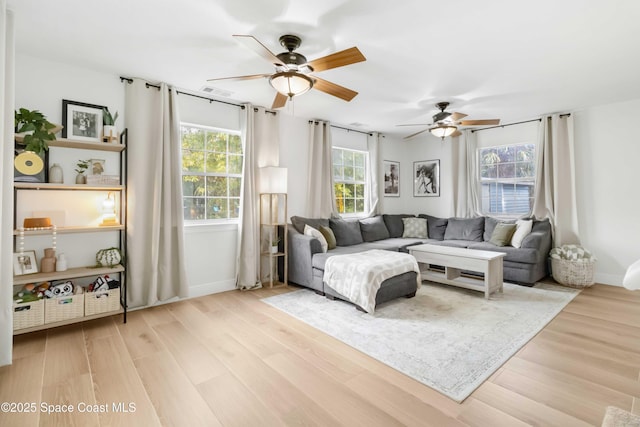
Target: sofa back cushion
(299,222)
(436,227)
(373,229)
(394,223)
(347,232)
(465,229)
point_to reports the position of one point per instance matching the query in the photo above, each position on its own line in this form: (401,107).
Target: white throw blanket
(359,276)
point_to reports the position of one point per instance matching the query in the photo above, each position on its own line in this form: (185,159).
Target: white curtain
(465,186)
(374,189)
(7,55)
(155,225)
(555,196)
(321,201)
(261,147)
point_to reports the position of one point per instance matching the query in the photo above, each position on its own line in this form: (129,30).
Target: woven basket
(28,314)
(101,302)
(58,309)
(576,274)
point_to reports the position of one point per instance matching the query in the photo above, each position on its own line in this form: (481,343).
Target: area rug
(616,417)
(448,338)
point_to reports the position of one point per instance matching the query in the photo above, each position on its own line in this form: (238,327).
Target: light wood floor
(231,360)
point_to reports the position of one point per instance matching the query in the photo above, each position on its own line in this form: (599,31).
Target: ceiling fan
(293,72)
(446,124)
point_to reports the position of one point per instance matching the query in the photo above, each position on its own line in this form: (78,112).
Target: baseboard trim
(608,279)
(211,288)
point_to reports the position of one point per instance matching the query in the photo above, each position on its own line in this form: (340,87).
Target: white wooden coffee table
(456,259)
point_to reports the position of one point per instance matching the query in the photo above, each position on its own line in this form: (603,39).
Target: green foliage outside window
(349,176)
(211,173)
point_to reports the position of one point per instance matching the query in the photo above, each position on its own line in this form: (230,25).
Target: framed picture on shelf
(96,167)
(25,263)
(391,178)
(82,121)
(426,178)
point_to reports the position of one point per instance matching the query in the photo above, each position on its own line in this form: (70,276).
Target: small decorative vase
(48,264)
(81,179)
(110,133)
(55,174)
(61,263)
(274,249)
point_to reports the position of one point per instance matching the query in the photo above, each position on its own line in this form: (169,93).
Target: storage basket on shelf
(572,265)
(101,301)
(65,307)
(28,314)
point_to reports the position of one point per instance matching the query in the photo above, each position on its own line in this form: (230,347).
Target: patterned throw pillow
(415,227)
(310,231)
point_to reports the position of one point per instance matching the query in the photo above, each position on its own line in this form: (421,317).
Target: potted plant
(109,130)
(34,130)
(81,167)
(274,245)
(109,257)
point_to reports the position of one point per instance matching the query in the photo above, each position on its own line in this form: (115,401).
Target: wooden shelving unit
(273,214)
(79,272)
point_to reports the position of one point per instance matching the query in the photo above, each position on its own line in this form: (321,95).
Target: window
(507,179)
(349,177)
(211,173)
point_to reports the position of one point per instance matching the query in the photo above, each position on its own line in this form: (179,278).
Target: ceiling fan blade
(417,124)
(249,77)
(338,59)
(457,116)
(334,89)
(415,134)
(279,101)
(253,44)
(480,122)
(456,133)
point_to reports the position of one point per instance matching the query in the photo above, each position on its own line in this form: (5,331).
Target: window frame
(212,221)
(364,182)
(514,180)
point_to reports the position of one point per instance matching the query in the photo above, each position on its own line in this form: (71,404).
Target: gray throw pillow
(373,229)
(435,226)
(299,223)
(347,232)
(490,223)
(394,223)
(470,229)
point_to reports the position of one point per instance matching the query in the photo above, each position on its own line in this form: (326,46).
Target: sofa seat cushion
(454,243)
(318,260)
(522,255)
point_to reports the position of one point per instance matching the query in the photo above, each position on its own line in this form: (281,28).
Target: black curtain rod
(148,85)
(339,127)
(517,123)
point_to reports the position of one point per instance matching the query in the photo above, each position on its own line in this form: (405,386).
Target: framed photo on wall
(391,178)
(426,178)
(82,121)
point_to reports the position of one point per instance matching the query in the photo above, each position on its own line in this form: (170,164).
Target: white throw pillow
(523,228)
(632,278)
(310,231)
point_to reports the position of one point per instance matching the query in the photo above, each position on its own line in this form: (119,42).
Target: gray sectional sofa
(525,265)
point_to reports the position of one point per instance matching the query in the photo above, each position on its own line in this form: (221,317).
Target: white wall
(607,149)
(42,85)
(294,155)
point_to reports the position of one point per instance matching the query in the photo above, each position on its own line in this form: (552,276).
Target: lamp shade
(291,83)
(272,179)
(442,130)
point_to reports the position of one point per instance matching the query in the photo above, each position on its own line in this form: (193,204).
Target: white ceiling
(503,59)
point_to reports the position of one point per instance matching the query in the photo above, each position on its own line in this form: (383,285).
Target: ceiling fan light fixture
(442,130)
(291,83)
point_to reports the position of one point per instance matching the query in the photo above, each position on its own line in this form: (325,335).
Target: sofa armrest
(539,240)
(301,251)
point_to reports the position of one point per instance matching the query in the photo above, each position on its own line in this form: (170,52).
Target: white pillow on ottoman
(632,278)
